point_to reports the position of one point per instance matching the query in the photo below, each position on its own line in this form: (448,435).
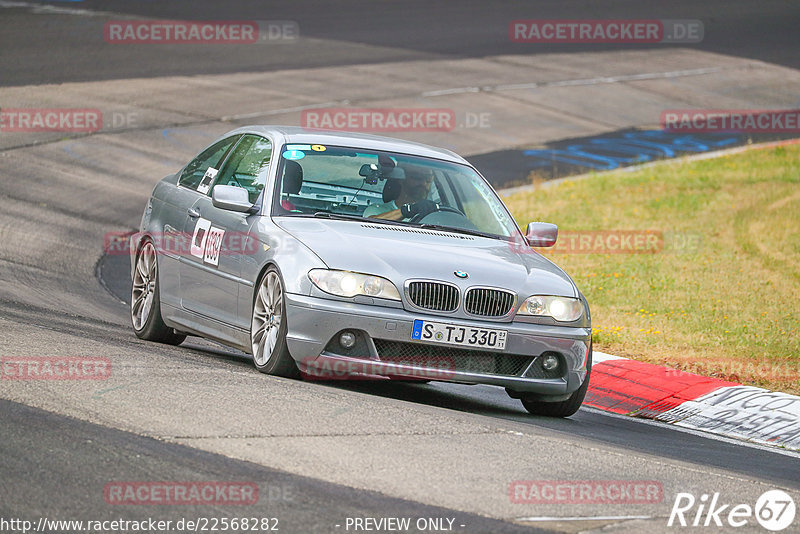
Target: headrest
(391,189)
(292,177)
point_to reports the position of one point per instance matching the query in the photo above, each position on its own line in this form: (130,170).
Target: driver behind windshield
(412,200)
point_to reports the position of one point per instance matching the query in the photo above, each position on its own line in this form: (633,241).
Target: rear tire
(146,318)
(268,328)
(563,408)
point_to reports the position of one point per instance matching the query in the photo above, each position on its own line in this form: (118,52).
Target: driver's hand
(421,208)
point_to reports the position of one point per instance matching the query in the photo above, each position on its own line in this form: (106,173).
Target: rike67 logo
(774,510)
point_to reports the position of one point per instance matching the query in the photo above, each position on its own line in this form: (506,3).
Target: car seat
(292,183)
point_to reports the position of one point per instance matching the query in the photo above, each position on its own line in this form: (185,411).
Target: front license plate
(464,336)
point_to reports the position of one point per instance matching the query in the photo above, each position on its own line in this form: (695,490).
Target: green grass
(727,307)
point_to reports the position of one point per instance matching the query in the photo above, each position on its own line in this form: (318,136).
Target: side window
(247,166)
(193,173)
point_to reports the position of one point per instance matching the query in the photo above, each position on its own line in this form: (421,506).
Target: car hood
(403,252)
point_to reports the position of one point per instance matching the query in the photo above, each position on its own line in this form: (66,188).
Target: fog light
(347,340)
(549,362)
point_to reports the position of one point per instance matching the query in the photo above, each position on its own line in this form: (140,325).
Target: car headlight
(347,284)
(562,309)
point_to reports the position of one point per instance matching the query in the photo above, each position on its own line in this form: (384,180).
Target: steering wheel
(418,217)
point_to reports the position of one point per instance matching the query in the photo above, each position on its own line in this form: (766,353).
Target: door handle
(193,213)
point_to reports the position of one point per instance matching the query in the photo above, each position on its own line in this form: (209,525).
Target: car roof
(296,134)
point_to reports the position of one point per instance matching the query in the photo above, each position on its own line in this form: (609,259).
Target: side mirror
(232,198)
(541,234)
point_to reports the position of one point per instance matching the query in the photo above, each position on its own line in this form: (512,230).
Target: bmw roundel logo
(461,274)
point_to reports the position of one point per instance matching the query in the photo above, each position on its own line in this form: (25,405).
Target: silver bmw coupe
(330,255)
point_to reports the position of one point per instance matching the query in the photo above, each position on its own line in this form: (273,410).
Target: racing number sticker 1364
(207,242)
(213,245)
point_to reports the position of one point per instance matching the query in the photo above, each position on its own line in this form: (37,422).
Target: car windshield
(342,182)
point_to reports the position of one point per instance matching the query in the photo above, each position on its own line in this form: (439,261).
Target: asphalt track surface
(371,33)
(200,411)
(69,459)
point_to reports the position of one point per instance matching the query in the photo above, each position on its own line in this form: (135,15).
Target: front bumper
(314,325)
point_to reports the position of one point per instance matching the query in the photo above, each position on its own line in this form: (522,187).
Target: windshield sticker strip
(294,154)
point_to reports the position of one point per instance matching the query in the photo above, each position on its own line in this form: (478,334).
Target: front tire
(563,408)
(146,318)
(268,328)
